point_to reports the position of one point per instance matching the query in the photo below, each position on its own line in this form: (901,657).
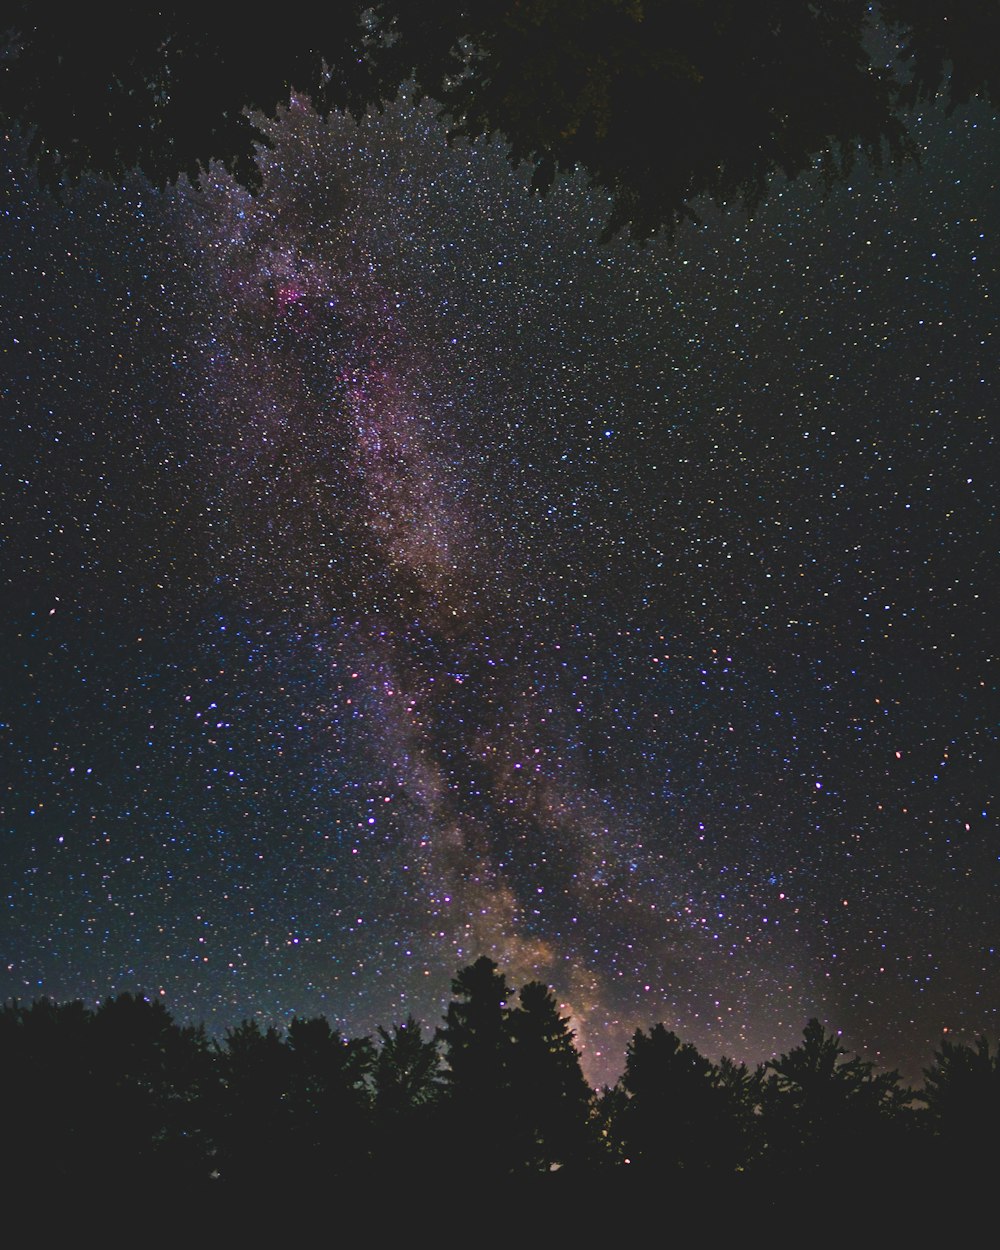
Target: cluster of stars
(398,575)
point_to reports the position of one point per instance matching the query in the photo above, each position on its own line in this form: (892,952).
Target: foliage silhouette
(250,1117)
(120,1099)
(47,1094)
(111,1097)
(685,1114)
(407,1071)
(962,1096)
(550,1099)
(408,1092)
(476,1049)
(661,102)
(822,1110)
(329,1098)
(151,1075)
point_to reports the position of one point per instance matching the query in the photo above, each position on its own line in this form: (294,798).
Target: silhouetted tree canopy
(476,1047)
(660,102)
(962,1095)
(684,1114)
(407,1071)
(92,1095)
(821,1108)
(407,1103)
(121,1099)
(550,1098)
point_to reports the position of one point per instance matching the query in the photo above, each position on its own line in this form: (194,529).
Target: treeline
(122,1096)
(660,103)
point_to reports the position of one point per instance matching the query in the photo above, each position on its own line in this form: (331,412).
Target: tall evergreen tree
(550,1099)
(476,1047)
(475,1032)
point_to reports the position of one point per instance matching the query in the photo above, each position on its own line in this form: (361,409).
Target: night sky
(393,574)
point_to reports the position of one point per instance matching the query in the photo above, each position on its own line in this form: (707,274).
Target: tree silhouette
(112,1097)
(821,1110)
(149,1075)
(407,1071)
(739,1139)
(550,1099)
(476,1047)
(46,1093)
(962,1096)
(120,1101)
(606,1126)
(408,1092)
(251,1120)
(475,1031)
(684,1114)
(660,102)
(329,1101)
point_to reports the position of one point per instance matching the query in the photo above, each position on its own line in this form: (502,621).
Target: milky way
(399,576)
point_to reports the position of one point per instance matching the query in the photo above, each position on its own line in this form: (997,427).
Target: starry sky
(394,574)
